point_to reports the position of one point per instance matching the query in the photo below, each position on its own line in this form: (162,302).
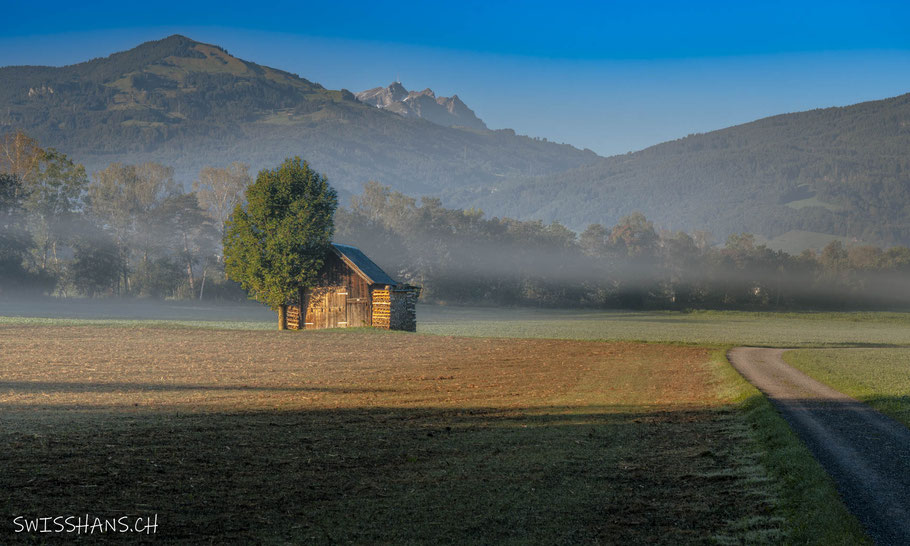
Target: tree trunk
(189,265)
(283,317)
(126,279)
(202,285)
(302,301)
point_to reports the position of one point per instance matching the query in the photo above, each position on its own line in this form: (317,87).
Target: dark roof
(363,265)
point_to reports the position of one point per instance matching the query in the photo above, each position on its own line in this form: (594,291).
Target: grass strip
(139,323)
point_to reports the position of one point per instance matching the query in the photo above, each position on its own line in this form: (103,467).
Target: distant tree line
(459,256)
(132,231)
(126,231)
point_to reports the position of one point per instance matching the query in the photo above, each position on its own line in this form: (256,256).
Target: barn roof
(363,265)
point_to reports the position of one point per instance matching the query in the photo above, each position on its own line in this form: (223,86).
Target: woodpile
(293,317)
(382,308)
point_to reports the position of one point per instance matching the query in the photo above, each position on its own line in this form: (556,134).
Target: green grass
(716,328)
(140,123)
(792,329)
(700,327)
(795,241)
(140,323)
(814,202)
(878,376)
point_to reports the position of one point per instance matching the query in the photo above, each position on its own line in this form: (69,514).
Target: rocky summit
(189,105)
(445,111)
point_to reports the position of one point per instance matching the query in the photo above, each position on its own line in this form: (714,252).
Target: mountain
(841,172)
(189,104)
(445,111)
(797,179)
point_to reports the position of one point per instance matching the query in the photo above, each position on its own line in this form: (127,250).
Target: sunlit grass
(701,327)
(139,323)
(877,376)
(792,329)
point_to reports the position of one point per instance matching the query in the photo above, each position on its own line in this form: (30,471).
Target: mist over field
(797,211)
(248,313)
(130,231)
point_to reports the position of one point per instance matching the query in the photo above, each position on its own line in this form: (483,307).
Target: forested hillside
(842,171)
(805,179)
(188,105)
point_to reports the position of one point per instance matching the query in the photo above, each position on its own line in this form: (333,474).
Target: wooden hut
(354,291)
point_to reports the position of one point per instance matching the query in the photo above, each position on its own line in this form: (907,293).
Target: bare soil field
(368,436)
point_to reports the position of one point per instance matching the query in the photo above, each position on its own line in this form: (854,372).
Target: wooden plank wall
(343,299)
(359,312)
(326,307)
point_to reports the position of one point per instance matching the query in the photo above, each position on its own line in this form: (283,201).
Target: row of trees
(460,256)
(128,230)
(132,231)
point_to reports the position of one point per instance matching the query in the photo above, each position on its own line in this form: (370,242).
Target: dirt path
(867,453)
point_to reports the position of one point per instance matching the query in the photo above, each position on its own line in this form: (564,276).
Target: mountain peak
(171,58)
(191,104)
(445,111)
(175,40)
(175,45)
(425,93)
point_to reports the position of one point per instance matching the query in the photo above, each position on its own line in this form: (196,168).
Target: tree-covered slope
(837,171)
(843,171)
(190,104)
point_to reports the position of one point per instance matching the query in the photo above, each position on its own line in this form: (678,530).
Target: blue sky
(610,76)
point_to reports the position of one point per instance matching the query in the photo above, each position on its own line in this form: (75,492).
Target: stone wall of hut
(403,308)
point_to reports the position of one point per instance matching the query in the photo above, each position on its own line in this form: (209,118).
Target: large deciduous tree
(220,190)
(275,245)
(97,262)
(14,239)
(19,155)
(54,196)
(49,192)
(124,198)
(186,231)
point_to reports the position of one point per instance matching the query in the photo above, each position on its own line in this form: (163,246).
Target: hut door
(358,312)
(337,303)
(326,308)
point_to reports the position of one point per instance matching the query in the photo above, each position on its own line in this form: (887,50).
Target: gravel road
(867,453)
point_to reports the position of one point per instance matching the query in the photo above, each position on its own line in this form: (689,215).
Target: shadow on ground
(391,474)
